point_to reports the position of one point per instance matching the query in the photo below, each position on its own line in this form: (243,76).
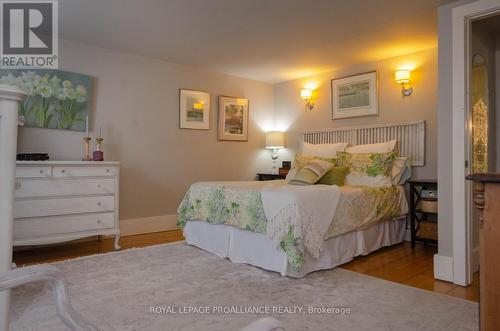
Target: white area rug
(116,292)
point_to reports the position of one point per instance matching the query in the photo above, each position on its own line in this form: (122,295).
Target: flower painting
(194,112)
(233,119)
(55,99)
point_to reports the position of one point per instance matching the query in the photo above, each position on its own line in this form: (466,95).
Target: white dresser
(57,201)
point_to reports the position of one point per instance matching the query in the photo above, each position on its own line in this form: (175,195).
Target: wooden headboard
(410,136)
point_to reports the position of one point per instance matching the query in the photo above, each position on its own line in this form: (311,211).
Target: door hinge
(466,164)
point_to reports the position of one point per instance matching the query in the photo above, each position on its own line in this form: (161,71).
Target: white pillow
(322,150)
(386,147)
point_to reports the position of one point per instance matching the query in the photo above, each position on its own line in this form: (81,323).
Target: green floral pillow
(371,164)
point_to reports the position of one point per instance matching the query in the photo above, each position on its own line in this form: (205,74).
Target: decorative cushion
(368,169)
(323,150)
(386,147)
(301,161)
(311,173)
(334,176)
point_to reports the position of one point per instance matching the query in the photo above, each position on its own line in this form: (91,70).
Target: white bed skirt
(242,246)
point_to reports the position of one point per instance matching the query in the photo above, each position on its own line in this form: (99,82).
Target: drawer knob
(99,203)
(98,221)
(63,171)
(41,171)
(98,185)
(107,170)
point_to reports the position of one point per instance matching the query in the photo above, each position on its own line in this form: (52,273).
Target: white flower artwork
(56,99)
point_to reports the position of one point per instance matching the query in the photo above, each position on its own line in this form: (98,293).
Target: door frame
(461,201)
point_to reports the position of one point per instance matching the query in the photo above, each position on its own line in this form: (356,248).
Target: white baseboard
(133,226)
(443,267)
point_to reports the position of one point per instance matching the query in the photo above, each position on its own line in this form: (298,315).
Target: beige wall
(136,103)
(421,105)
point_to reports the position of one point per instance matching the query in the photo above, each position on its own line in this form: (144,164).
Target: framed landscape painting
(233,119)
(55,99)
(194,110)
(355,96)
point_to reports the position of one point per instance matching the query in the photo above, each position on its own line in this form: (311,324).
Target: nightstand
(423,211)
(270,176)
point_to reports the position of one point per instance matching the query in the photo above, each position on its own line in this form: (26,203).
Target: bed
(330,225)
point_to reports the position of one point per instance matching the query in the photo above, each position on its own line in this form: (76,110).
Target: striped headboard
(410,136)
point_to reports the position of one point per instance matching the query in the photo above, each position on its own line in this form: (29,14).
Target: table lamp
(275,140)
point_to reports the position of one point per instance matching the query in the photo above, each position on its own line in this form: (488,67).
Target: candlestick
(86,149)
(98,154)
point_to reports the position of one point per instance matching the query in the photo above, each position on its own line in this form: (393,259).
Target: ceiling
(266,40)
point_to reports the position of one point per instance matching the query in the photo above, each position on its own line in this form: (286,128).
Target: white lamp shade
(306,93)
(403,76)
(275,140)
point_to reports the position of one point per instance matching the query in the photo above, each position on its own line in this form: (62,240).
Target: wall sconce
(403,77)
(306,95)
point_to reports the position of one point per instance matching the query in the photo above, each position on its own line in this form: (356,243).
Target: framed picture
(56,99)
(194,110)
(355,96)
(233,119)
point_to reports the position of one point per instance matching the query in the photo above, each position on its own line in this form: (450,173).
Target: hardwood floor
(71,250)
(415,268)
(397,263)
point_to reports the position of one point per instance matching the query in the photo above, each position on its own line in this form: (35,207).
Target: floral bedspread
(361,206)
(239,204)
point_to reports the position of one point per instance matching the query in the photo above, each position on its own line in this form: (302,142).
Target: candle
(100,132)
(86,126)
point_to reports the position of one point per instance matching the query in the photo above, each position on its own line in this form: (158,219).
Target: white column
(9,102)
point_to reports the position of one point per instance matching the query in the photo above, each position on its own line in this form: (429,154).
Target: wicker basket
(429,205)
(428,230)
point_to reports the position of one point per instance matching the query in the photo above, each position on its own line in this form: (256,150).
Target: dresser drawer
(28,228)
(24,172)
(28,188)
(83,171)
(62,206)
